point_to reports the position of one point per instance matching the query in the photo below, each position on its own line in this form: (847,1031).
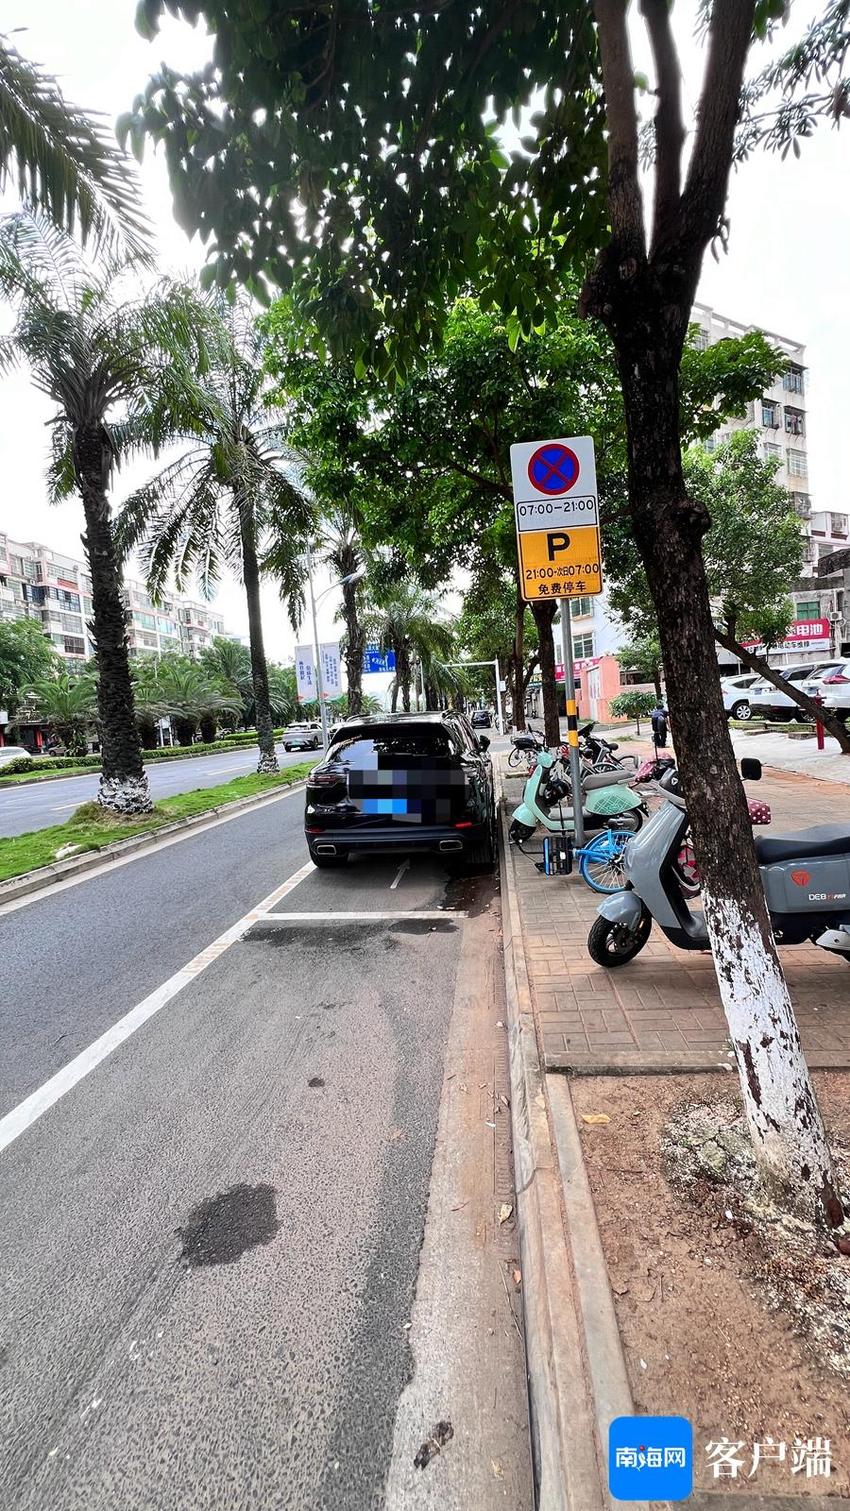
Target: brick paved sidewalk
(663,1012)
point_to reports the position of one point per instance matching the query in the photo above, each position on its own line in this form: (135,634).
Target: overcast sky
(786,268)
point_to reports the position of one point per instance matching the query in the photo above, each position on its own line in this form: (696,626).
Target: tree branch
(815,711)
(669,127)
(624,196)
(729,35)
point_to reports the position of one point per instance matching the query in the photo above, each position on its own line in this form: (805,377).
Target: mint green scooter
(608,802)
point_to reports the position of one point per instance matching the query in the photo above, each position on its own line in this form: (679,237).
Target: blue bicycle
(601,860)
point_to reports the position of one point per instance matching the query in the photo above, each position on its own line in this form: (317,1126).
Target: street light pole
(319,688)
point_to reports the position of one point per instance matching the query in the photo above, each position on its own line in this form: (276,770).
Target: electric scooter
(806,880)
(607,800)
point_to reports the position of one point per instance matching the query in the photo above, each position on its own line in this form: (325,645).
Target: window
(166,626)
(798,465)
(808,609)
(146,620)
(802,504)
(838,525)
(74,646)
(770,414)
(772,450)
(795,421)
(17,564)
(583,647)
(580,607)
(701,340)
(792,380)
(71,623)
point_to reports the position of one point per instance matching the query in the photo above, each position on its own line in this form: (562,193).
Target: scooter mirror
(751,769)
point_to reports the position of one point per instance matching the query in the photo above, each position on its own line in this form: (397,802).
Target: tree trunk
(208,728)
(779,1100)
(259,671)
(402,672)
(355,645)
(518,686)
(830,721)
(123,785)
(543,613)
(395,692)
(184,729)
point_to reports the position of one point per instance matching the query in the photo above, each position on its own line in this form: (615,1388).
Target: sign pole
(499,718)
(323,713)
(572,719)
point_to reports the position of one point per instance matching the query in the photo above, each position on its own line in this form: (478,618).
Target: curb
(45,877)
(569,1461)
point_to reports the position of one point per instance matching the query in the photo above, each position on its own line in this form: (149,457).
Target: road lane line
(60,807)
(405,866)
(377,916)
(34,1106)
(113,862)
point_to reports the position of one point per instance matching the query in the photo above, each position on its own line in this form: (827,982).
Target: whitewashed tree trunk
(789,1139)
(125,795)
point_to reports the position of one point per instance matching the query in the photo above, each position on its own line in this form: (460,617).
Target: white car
(832,688)
(13,753)
(767,702)
(735,694)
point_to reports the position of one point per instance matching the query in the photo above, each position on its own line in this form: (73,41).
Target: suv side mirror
(483,742)
(751,769)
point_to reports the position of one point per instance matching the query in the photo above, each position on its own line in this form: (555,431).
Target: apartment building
(780,418)
(39,583)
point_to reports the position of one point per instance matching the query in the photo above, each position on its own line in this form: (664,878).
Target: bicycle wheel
(516,757)
(601,864)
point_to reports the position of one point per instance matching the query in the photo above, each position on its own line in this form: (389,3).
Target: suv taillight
(835,679)
(323,779)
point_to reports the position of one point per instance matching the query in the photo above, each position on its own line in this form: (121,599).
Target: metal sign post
(323,713)
(572,720)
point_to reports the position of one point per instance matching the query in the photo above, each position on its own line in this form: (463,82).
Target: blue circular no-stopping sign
(553,469)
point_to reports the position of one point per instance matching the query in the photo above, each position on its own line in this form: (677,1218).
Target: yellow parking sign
(560,563)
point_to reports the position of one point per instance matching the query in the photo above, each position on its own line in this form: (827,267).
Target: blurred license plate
(388,805)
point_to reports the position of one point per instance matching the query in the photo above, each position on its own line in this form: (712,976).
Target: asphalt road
(210,1241)
(36,805)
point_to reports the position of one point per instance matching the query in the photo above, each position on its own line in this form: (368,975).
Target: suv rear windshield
(395,747)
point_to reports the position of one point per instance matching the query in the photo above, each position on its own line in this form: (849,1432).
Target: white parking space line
(377,916)
(34,1106)
(405,866)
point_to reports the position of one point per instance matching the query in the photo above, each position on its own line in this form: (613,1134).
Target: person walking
(658,718)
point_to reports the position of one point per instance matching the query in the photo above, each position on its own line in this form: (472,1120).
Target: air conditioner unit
(835,617)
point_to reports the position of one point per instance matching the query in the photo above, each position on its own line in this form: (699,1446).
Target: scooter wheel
(518,832)
(611,944)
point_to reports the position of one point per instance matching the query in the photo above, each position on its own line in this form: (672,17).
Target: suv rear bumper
(442,840)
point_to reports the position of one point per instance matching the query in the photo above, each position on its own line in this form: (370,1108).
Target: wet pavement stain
(221,1229)
(471,894)
(315,1081)
(422,926)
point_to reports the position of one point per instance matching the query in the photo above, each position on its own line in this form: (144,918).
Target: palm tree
(99,357)
(227,493)
(68,704)
(408,624)
(342,549)
(192,698)
(65,164)
(147,699)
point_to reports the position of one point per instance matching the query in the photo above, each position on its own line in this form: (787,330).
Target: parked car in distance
(833,689)
(14,753)
(735,699)
(481,718)
(301,737)
(767,702)
(402,784)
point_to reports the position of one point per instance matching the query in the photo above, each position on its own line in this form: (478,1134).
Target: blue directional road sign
(376,660)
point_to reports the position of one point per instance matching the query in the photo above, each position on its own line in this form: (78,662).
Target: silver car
(302,737)
(13,753)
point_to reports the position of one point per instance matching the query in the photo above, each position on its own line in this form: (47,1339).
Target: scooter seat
(605,779)
(824,839)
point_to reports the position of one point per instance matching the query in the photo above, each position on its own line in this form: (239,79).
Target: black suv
(402,783)
(481,719)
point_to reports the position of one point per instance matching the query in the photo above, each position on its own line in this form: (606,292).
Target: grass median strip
(91,828)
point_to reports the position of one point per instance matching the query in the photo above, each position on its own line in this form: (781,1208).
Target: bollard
(819,733)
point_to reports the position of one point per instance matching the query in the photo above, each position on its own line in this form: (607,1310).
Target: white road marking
(378,915)
(405,866)
(33,1107)
(112,864)
(60,807)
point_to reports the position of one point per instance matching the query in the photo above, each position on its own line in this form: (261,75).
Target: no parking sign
(557,517)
